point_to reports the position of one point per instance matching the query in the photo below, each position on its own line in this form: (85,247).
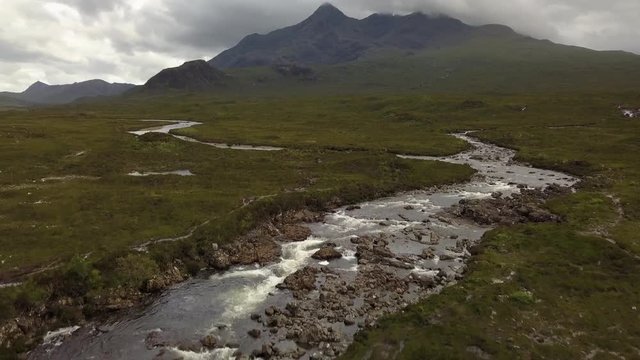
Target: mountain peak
(328,11)
(37,85)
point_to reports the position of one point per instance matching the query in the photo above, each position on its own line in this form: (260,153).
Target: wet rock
(382,251)
(519,208)
(220,261)
(428,254)
(301,280)
(161,282)
(426,280)
(397,264)
(209,342)
(270,311)
(295,233)
(353,207)
(255,333)
(261,250)
(190,346)
(349,321)
(155,339)
(327,253)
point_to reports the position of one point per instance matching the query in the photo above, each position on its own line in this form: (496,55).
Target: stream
(417,251)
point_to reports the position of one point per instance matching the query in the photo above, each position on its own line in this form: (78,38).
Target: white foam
(349,255)
(424,272)
(217,354)
(243,299)
(56,337)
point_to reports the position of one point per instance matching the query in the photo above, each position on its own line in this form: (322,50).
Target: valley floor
(563,290)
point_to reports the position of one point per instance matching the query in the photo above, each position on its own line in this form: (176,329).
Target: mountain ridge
(42,93)
(329,36)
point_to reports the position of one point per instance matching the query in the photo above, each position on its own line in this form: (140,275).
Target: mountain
(191,76)
(41,93)
(330,37)
(331,53)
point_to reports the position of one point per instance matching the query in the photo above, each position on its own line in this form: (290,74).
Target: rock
(255,333)
(209,342)
(428,254)
(349,321)
(425,280)
(270,311)
(190,346)
(397,264)
(155,339)
(256,317)
(409,207)
(327,253)
(301,280)
(353,207)
(383,251)
(258,250)
(295,233)
(220,261)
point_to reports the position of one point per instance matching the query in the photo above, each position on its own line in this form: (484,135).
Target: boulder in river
(327,253)
(295,233)
(301,280)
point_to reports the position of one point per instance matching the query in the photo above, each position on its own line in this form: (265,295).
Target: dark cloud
(129,40)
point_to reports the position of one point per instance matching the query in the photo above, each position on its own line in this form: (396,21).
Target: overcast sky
(63,41)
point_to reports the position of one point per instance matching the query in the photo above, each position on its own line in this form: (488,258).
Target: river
(348,295)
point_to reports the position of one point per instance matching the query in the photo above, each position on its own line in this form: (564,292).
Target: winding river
(348,296)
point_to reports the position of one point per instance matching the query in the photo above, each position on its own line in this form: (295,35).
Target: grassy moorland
(544,291)
(574,288)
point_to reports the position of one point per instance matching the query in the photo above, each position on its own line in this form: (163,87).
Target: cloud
(61,41)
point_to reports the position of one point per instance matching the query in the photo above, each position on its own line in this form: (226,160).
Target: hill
(191,76)
(41,93)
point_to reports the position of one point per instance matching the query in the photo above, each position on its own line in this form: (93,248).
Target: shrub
(29,297)
(522,297)
(80,277)
(134,269)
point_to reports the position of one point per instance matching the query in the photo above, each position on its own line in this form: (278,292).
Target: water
(163,173)
(176,125)
(221,304)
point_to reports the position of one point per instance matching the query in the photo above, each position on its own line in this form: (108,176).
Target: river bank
(356,264)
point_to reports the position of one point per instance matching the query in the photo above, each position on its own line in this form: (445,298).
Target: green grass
(46,221)
(570,285)
(543,291)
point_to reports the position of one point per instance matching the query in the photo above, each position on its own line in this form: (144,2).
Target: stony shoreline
(326,311)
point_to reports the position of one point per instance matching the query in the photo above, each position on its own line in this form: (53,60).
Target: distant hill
(10,102)
(330,37)
(191,76)
(41,93)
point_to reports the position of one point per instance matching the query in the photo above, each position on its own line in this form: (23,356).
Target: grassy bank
(543,291)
